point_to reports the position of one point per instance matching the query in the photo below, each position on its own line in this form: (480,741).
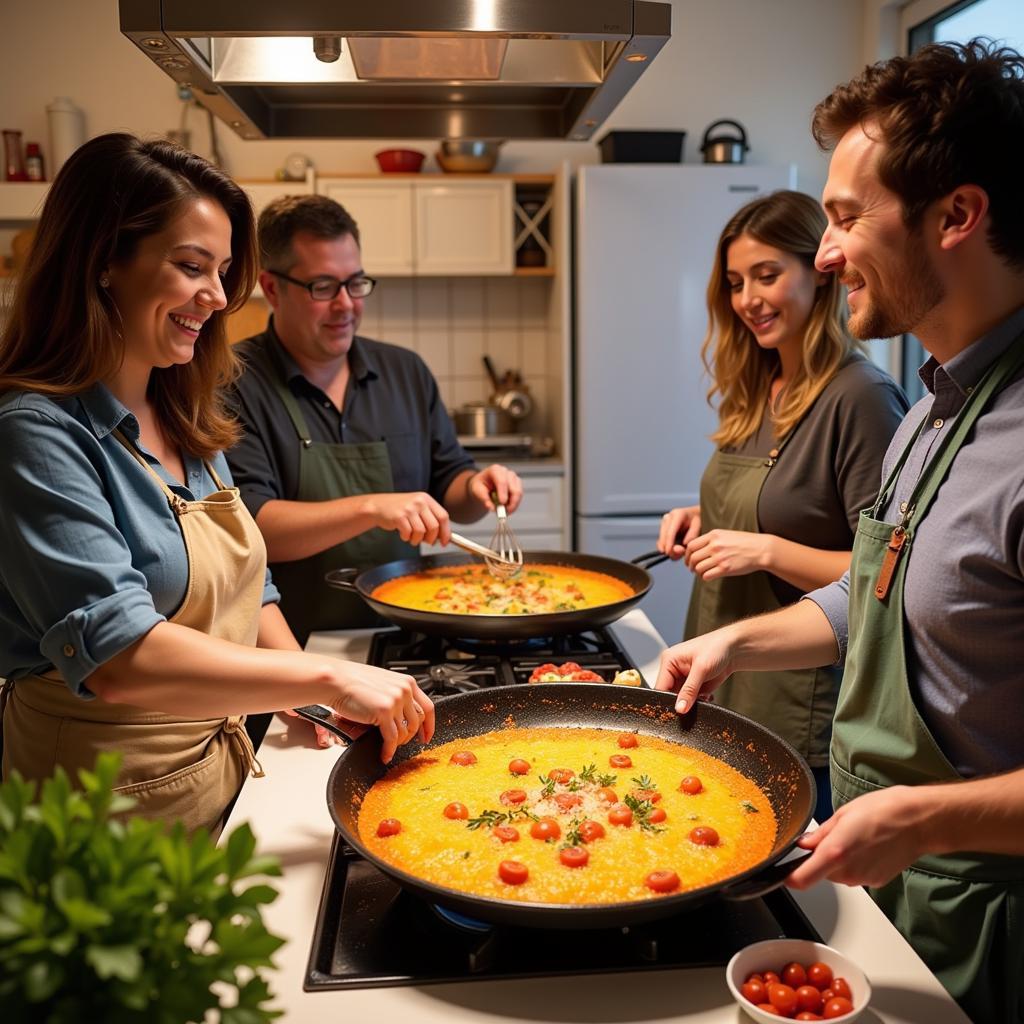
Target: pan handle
(648,561)
(324,716)
(343,579)
(763,882)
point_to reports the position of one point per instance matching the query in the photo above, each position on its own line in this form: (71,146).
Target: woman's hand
(720,553)
(695,668)
(678,528)
(392,702)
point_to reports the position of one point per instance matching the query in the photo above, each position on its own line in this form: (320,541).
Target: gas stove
(370,933)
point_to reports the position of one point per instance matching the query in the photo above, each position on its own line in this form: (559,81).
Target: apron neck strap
(172,498)
(287,397)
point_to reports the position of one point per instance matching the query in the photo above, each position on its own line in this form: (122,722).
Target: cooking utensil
(482,419)
(509,392)
(489,554)
(467,156)
(509,562)
(748,747)
(492,373)
(501,628)
(724,149)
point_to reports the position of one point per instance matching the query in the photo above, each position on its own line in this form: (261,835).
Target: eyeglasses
(324,288)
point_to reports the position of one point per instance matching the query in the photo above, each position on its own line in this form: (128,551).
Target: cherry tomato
(754,977)
(691,784)
(506,833)
(702,835)
(827,994)
(560,775)
(755,991)
(841,989)
(809,998)
(591,830)
(546,828)
(783,998)
(662,881)
(794,975)
(519,767)
(651,795)
(574,856)
(819,975)
(807,1015)
(771,978)
(567,801)
(620,814)
(627,740)
(608,795)
(657,815)
(836,1008)
(620,761)
(769,1009)
(389,827)
(457,812)
(512,796)
(463,757)
(512,872)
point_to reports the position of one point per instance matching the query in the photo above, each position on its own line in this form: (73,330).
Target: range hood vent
(487,69)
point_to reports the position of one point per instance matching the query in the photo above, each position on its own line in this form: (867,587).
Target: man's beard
(915,289)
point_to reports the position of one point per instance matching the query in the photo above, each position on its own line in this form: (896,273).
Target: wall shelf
(22,200)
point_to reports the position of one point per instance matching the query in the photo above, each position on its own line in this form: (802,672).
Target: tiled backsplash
(453,322)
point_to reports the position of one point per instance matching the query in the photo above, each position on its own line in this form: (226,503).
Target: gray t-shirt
(829,468)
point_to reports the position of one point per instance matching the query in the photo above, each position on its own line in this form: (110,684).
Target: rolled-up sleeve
(834,601)
(67,569)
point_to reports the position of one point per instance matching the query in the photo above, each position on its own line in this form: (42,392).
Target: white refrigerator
(645,241)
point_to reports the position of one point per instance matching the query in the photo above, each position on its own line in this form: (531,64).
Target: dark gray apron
(328,471)
(963,913)
(796,704)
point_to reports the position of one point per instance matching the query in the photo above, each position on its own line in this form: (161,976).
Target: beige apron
(175,768)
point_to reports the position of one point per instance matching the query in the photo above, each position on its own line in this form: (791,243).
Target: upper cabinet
(422,228)
(261,193)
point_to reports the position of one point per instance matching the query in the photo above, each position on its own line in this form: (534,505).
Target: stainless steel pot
(724,149)
(481,419)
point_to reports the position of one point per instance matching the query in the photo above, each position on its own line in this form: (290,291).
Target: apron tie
(235,728)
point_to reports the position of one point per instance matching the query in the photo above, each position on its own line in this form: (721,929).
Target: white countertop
(288,813)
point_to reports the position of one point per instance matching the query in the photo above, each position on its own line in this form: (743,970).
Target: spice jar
(14,161)
(34,162)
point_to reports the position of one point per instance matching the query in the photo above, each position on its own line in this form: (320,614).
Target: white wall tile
(501,301)
(435,348)
(467,351)
(534,300)
(467,301)
(433,310)
(502,345)
(534,341)
(466,389)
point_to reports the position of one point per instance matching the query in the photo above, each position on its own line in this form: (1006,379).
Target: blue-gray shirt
(964,590)
(91,556)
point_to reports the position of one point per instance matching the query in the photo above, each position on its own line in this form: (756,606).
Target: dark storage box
(629,147)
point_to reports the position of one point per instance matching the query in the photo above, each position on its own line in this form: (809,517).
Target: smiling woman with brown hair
(134,596)
(804,421)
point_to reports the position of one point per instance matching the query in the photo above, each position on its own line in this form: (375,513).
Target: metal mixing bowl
(468,155)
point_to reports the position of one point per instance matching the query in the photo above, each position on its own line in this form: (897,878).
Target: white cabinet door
(261,193)
(464,227)
(383,211)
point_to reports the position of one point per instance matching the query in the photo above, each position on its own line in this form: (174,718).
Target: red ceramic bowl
(400,161)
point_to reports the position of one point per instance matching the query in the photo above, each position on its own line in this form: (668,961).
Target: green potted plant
(116,921)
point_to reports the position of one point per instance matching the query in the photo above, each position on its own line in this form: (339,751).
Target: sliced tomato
(620,761)
(389,827)
(518,766)
(463,757)
(627,740)
(651,795)
(456,811)
(620,815)
(506,833)
(702,835)
(608,795)
(691,785)
(567,801)
(662,881)
(591,830)
(545,829)
(657,816)
(574,856)
(512,872)
(511,797)
(561,775)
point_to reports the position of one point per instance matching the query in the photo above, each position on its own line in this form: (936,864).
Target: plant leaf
(115,961)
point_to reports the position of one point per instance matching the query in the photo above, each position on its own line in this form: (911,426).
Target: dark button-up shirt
(91,555)
(964,589)
(391,396)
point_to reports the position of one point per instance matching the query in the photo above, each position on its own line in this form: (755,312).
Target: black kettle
(724,149)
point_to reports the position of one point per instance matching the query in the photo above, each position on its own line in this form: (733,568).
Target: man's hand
(415,515)
(502,481)
(678,528)
(720,553)
(696,668)
(867,841)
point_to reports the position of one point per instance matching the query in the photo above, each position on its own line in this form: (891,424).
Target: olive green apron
(796,704)
(326,472)
(962,913)
(175,768)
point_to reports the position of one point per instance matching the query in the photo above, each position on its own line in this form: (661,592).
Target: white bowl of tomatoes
(797,979)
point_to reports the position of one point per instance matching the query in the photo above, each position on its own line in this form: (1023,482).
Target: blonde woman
(804,421)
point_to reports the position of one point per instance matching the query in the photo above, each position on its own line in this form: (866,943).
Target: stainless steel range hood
(492,69)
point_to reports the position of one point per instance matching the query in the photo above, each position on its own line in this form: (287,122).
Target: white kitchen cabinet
(261,193)
(410,227)
(384,212)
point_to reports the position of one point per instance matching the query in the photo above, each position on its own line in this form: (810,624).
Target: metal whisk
(504,543)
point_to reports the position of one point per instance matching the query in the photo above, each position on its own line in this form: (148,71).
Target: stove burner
(467,924)
(446,679)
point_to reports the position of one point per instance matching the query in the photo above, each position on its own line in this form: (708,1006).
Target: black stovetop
(370,933)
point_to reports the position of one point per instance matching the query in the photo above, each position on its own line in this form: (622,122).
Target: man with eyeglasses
(349,457)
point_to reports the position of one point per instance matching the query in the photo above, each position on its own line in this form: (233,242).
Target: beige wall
(762,62)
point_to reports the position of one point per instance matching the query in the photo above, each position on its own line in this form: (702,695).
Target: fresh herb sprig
(641,812)
(573,836)
(549,787)
(646,782)
(591,774)
(489,819)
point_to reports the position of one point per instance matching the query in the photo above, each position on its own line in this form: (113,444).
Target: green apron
(797,704)
(962,913)
(328,471)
